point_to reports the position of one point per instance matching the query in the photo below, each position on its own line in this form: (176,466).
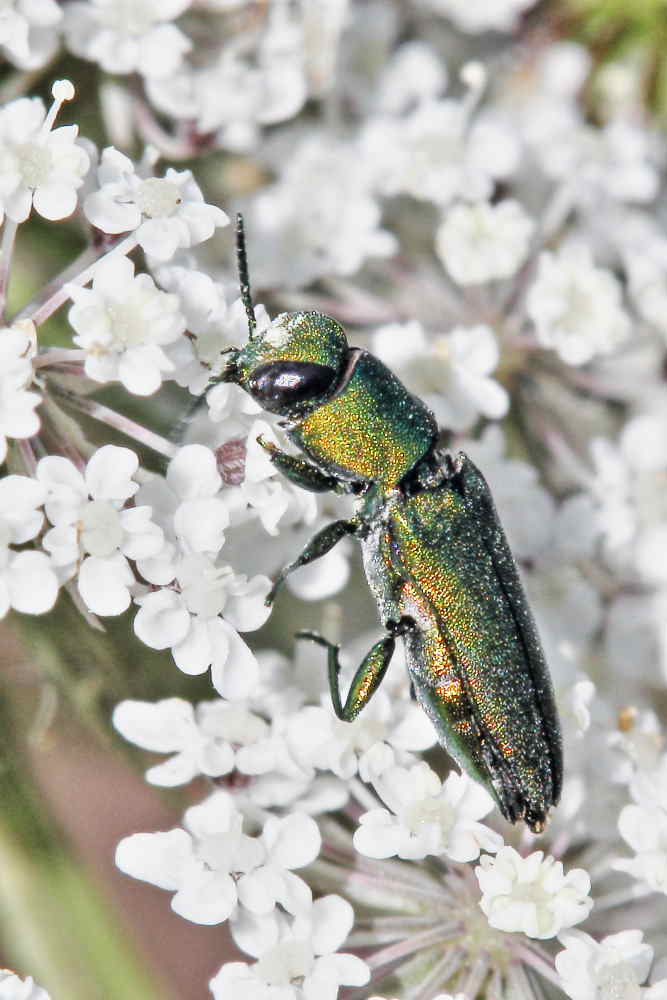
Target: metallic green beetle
(434,552)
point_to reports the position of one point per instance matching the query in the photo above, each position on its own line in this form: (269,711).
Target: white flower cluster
(615,966)
(17,402)
(12,987)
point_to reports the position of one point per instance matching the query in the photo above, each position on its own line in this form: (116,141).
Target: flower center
(619,982)
(429,811)
(127,322)
(204,586)
(101,530)
(158,198)
(288,961)
(34,162)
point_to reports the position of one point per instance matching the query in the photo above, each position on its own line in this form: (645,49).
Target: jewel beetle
(434,552)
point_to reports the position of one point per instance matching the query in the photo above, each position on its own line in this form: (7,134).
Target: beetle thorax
(372,429)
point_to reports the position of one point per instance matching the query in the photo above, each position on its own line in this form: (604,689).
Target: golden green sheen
(372,430)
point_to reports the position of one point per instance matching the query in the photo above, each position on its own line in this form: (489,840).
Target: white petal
(162,621)
(292,842)
(194,473)
(55,201)
(32,585)
(193,655)
(160,858)
(200,524)
(234,676)
(332,920)
(209,899)
(177,770)
(161,726)
(109,473)
(104,583)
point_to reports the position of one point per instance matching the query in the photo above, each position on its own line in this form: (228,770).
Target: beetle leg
(300,472)
(319,545)
(366,680)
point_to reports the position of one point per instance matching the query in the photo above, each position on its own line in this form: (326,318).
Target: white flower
(629,492)
(189,620)
(20,516)
(29,31)
(317,738)
(215,866)
(128,38)
(491,15)
(451,372)
(186,613)
(482,242)
(429,817)
(414,73)
(243,87)
(644,829)
(17,404)
(198,866)
(189,507)
(123,322)
(213,739)
(12,987)
(39,165)
(276,501)
(28,582)
(168,213)
(212,326)
(302,961)
(576,306)
(92,530)
(320,218)
(613,967)
(291,842)
(532,894)
(434,153)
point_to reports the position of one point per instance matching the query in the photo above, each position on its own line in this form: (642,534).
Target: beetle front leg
(319,545)
(366,680)
(300,472)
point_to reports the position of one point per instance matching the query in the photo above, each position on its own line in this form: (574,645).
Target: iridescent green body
(435,556)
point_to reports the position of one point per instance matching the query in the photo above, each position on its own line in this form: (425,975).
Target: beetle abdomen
(474,657)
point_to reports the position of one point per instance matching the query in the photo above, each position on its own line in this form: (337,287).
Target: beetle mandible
(435,554)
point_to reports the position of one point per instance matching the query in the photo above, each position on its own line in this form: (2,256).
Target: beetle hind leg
(366,680)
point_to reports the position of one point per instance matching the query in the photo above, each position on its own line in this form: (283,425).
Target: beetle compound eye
(280,385)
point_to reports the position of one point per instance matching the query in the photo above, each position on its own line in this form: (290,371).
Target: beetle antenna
(242,259)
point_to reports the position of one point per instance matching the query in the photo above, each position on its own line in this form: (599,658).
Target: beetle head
(293,365)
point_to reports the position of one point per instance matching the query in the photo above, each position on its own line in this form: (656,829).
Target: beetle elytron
(434,552)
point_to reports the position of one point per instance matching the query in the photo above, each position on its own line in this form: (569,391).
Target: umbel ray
(434,552)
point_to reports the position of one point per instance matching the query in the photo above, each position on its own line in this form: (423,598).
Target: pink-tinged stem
(27,454)
(142,435)
(59,356)
(408,946)
(6,254)
(439,975)
(79,272)
(538,961)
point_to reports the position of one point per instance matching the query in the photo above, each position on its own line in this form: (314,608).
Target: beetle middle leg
(319,545)
(369,674)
